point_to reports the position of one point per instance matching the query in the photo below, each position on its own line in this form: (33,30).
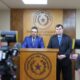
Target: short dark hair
(58,25)
(34,27)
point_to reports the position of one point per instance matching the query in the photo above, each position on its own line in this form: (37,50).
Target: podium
(38,64)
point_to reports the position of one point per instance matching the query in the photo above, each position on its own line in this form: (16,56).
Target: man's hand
(61,57)
(74,56)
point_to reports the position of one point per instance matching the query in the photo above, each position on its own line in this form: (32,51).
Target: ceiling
(52,4)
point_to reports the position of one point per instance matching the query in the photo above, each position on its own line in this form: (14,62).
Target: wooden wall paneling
(17,22)
(69,22)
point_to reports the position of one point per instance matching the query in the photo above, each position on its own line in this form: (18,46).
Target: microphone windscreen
(17,45)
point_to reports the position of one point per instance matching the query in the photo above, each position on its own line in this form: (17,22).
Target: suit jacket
(65,47)
(77,44)
(78,62)
(27,43)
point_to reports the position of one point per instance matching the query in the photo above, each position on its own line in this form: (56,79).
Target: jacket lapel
(56,40)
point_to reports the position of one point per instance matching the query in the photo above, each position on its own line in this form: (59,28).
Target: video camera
(9,36)
(7,66)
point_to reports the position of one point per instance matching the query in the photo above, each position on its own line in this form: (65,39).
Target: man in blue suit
(33,41)
(64,43)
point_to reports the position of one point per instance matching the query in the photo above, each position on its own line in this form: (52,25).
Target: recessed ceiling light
(44,2)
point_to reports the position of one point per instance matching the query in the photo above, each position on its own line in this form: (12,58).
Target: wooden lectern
(38,64)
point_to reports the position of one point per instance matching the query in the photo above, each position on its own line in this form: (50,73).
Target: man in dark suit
(33,41)
(64,43)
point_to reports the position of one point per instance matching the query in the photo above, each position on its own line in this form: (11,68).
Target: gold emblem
(38,66)
(42,19)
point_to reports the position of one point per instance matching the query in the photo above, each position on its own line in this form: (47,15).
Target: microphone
(16,49)
(17,45)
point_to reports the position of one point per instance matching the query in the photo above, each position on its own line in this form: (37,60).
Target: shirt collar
(59,35)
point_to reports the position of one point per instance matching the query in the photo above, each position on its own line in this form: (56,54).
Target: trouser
(66,67)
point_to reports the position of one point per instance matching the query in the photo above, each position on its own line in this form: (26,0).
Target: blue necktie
(59,39)
(33,41)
